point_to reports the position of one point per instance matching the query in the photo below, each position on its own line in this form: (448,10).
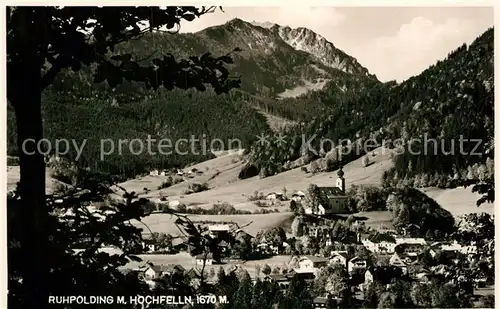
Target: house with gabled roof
(400,262)
(339,258)
(311,263)
(382,274)
(404,261)
(274,196)
(410,246)
(298,196)
(321,302)
(283,281)
(219,230)
(155,271)
(207,259)
(356,263)
(380,243)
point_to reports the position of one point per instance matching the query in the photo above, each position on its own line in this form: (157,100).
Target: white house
(152,272)
(382,247)
(312,264)
(401,262)
(452,247)
(173,203)
(271,196)
(274,196)
(209,259)
(339,258)
(148,247)
(356,263)
(469,249)
(154,173)
(298,196)
(217,230)
(410,246)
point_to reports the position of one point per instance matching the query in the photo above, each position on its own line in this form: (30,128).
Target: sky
(394,43)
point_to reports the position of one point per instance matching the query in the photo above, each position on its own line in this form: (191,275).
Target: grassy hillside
(225,187)
(228,189)
(163,223)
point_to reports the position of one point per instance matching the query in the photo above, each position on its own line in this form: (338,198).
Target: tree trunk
(24,90)
(32,191)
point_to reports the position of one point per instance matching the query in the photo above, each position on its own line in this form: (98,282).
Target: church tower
(341,180)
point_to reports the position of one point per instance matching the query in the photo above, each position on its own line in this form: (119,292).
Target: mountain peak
(306,40)
(236,21)
(265,24)
(267,37)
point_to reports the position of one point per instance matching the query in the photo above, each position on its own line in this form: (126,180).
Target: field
(187,261)
(221,174)
(165,223)
(226,187)
(459,201)
(13,177)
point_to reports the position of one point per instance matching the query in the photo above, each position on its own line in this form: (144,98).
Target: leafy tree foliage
(410,206)
(298,226)
(366,198)
(42,42)
(332,281)
(79,272)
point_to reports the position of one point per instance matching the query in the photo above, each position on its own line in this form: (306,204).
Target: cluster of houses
(403,262)
(296,196)
(401,250)
(178,172)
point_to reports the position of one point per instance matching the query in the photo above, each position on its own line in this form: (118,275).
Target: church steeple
(341,179)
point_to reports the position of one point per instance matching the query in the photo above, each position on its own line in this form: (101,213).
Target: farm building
(219,230)
(274,196)
(298,196)
(209,259)
(339,258)
(311,263)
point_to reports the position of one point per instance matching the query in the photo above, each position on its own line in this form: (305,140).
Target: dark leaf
(135,258)
(189,17)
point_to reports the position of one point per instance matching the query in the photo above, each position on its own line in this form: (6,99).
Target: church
(329,200)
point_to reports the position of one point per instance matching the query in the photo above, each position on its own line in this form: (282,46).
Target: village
(326,242)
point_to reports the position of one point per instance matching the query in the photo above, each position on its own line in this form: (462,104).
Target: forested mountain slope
(269,62)
(453,98)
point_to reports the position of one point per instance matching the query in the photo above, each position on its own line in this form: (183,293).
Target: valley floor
(187,261)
